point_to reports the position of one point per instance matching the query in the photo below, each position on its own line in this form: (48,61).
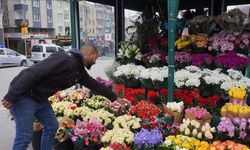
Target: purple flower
(231,134)
(148,139)
(237,120)
(107,83)
(201,59)
(243,134)
(231,60)
(246,41)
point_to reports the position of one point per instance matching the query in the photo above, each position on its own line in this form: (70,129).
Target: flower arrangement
(116,146)
(231,60)
(108,83)
(126,121)
(182,142)
(127,53)
(198,114)
(118,136)
(176,109)
(154,59)
(160,44)
(87,133)
(182,59)
(65,124)
(148,139)
(152,96)
(201,24)
(183,43)
(237,129)
(78,96)
(80,112)
(202,60)
(230,110)
(127,75)
(145,110)
(101,115)
(134,95)
(200,41)
(118,109)
(227,145)
(237,93)
(194,129)
(119,89)
(61,107)
(97,102)
(232,20)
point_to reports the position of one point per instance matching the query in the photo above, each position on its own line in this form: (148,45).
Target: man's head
(90,54)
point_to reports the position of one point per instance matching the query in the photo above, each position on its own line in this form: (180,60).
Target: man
(29,91)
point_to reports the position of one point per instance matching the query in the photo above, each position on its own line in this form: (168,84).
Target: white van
(42,51)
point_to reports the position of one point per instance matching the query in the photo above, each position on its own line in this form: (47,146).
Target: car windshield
(37,48)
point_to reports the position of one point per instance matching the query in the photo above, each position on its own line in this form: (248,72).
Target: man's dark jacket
(58,72)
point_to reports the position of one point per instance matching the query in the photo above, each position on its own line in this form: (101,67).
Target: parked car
(9,58)
(42,51)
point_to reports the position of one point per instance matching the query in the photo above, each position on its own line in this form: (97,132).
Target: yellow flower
(186,145)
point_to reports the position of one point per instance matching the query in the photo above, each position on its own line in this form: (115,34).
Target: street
(7,127)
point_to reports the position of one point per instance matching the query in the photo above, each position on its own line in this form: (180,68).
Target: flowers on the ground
(78,96)
(101,115)
(118,135)
(148,139)
(88,133)
(154,58)
(118,108)
(97,102)
(126,121)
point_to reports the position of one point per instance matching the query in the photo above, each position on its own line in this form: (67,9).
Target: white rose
(203,128)
(208,135)
(197,125)
(194,132)
(187,131)
(193,122)
(199,135)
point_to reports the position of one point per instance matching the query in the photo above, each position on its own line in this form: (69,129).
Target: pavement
(7,127)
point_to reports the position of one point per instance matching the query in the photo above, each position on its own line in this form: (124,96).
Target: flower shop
(185,79)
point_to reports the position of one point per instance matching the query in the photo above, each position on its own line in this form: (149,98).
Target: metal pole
(172,12)
(222,6)
(212,8)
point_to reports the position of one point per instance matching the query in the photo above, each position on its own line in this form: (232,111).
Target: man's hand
(7,104)
(123,101)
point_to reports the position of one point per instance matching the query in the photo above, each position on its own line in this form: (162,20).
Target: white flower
(175,106)
(167,142)
(154,58)
(195,132)
(193,82)
(138,56)
(187,131)
(208,135)
(197,125)
(234,74)
(199,135)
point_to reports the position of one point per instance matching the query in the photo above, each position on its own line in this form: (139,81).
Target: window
(1,52)
(49,18)
(66,17)
(59,15)
(93,30)
(36,17)
(51,49)
(49,5)
(93,22)
(36,3)
(60,29)
(37,48)
(60,49)
(11,53)
(60,3)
